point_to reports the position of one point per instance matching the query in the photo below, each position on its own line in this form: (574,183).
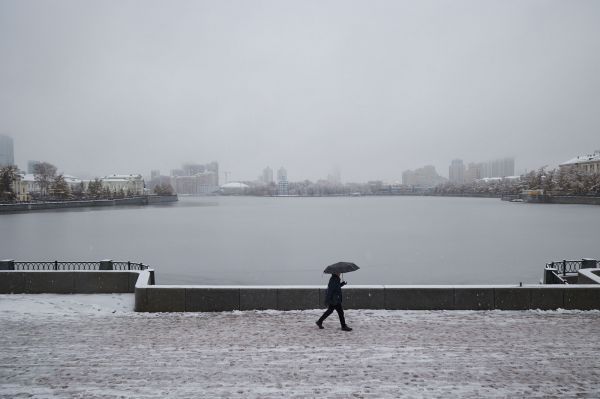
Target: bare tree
(44,174)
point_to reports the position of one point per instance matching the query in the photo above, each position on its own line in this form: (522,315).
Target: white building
(133,184)
(586,163)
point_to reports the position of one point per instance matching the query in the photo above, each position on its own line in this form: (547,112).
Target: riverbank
(37,206)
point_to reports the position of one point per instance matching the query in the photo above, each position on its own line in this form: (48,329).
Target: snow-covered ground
(88,346)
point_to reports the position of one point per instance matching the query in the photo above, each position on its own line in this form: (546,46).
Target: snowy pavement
(95,346)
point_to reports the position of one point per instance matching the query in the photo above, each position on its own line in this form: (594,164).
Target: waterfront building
(282,182)
(30,184)
(424,177)
(133,184)
(457,171)
(585,163)
(7,152)
(196,179)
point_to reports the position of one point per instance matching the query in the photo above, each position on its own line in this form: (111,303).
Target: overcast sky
(373,87)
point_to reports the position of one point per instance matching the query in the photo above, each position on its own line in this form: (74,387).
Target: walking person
(333,299)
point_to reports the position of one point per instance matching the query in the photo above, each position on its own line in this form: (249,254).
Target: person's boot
(346,328)
(319,323)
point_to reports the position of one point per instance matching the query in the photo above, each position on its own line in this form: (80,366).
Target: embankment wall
(194,298)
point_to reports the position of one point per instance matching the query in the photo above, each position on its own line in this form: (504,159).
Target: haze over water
(254,240)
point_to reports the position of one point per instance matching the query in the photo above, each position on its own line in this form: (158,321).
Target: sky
(370,87)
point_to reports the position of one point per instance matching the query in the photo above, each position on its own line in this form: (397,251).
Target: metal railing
(559,271)
(58,265)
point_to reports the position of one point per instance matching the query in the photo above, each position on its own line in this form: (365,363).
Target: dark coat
(333,295)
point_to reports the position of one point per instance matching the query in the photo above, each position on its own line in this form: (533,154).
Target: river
(252,240)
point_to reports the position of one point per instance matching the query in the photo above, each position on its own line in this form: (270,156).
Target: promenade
(95,346)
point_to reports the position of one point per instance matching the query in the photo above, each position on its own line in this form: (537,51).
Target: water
(247,240)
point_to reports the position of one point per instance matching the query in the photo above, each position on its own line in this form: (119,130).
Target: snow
(85,346)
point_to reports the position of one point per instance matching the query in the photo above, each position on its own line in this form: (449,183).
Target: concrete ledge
(474,298)
(582,298)
(211,299)
(101,282)
(50,282)
(66,282)
(512,298)
(363,298)
(418,298)
(258,299)
(588,276)
(165,300)
(297,298)
(12,282)
(547,298)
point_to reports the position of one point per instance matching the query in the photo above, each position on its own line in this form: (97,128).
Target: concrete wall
(174,298)
(227,298)
(67,282)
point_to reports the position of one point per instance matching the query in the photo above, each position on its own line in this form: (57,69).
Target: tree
(163,189)
(8,175)
(95,188)
(44,174)
(59,188)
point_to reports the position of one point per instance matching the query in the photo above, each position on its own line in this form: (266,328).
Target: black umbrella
(341,267)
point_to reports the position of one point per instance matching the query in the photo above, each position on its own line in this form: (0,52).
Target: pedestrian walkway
(95,346)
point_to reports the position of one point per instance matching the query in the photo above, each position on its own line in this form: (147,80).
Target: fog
(373,88)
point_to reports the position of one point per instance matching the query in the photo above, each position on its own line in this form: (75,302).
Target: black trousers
(340,312)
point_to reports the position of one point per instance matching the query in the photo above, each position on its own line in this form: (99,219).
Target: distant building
(233,188)
(267,176)
(31,166)
(474,172)
(335,177)
(457,171)
(196,179)
(19,187)
(7,152)
(503,167)
(282,182)
(133,184)
(586,163)
(424,177)
(154,174)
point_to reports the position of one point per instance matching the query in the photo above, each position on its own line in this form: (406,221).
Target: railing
(56,265)
(557,272)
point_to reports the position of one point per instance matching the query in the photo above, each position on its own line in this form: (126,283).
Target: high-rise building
(282,182)
(457,171)
(7,151)
(31,166)
(424,177)
(267,176)
(154,174)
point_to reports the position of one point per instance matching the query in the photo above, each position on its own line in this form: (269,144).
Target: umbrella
(341,267)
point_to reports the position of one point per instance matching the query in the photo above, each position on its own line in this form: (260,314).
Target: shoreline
(50,205)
